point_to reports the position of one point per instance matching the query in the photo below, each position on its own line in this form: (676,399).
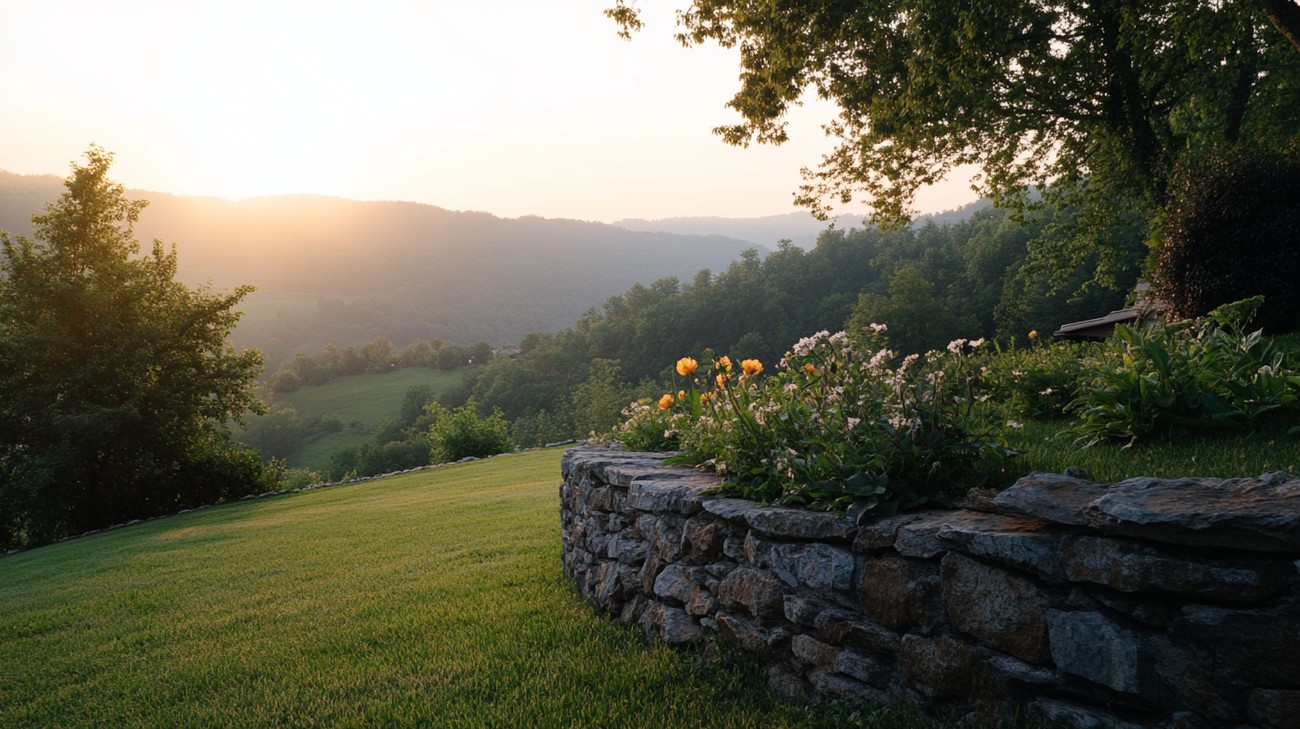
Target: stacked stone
(1147,603)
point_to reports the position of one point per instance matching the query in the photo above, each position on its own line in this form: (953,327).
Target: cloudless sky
(513,107)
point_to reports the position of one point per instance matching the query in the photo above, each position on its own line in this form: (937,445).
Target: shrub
(834,428)
(285,381)
(462,433)
(1231,231)
(1197,375)
(647,427)
(540,428)
(1039,381)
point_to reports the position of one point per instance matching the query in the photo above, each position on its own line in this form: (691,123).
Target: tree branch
(1285,16)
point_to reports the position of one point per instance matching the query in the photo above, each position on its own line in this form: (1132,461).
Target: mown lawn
(429,599)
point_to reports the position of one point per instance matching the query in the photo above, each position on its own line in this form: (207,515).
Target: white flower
(1048,391)
(955,345)
(804,346)
(1014,425)
(879,359)
(977,343)
(876,328)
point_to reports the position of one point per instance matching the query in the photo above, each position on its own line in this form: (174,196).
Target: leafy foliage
(1231,231)
(463,433)
(280,431)
(1037,381)
(116,381)
(1202,375)
(912,310)
(646,427)
(1094,101)
(379,457)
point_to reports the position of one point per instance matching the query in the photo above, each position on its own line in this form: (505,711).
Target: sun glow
(513,107)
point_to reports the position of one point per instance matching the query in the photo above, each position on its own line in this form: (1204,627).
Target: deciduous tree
(1093,100)
(116,381)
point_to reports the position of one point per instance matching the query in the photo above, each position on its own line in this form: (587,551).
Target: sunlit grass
(1048,446)
(430,599)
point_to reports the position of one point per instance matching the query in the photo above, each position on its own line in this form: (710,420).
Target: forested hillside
(929,285)
(343,272)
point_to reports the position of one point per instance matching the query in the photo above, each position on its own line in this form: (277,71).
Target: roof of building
(1099,328)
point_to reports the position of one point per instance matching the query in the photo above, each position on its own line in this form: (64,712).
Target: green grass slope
(368,399)
(363,402)
(430,599)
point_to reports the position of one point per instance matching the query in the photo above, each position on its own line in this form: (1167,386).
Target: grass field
(363,402)
(430,599)
(368,399)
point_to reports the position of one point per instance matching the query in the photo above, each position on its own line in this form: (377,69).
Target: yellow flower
(665,402)
(1033,334)
(681,394)
(751,367)
(704,399)
(686,366)
(809,369)
(724,364)
(722,381)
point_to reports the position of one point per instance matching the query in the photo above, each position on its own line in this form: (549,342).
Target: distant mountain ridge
(403,270)
(331,270)
(800,228)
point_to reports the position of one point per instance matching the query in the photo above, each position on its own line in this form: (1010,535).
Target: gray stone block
(800,524)
(1004,610)
(1090,646)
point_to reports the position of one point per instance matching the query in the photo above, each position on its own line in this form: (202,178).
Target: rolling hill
(343,271)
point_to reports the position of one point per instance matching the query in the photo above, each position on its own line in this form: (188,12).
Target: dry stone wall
(1146,603)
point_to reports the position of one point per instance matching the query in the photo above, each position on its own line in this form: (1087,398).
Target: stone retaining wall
(1147,603)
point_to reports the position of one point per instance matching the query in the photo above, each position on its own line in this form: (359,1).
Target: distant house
(1103,327)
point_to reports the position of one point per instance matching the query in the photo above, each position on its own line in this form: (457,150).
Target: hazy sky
(514,107)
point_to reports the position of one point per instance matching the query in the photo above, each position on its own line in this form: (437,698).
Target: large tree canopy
(116,381)
(1098,98)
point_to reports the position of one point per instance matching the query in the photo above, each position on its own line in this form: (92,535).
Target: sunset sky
(514,107)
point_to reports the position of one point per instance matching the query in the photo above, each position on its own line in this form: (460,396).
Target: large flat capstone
(1258,514)
(1251,514)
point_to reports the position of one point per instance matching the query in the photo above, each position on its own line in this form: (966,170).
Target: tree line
(377,356)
